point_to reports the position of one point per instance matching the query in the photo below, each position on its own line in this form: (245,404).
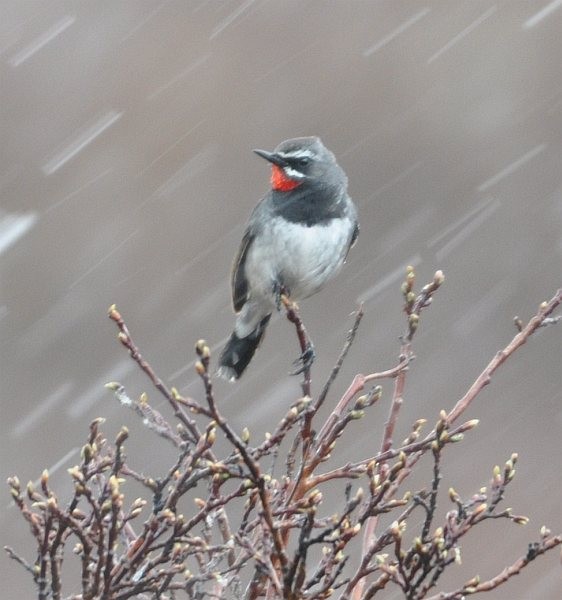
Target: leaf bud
(453,495)
(31,493)
(76,473)
(199,368)
(87,453)
(199,346)
(51,503)
(360,402)
(121,436)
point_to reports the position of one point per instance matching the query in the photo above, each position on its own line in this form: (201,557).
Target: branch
(125,338)
(475,587)
(305,344)
(336,369)
(202,368)
(413,306)
(282,542)
(545,310)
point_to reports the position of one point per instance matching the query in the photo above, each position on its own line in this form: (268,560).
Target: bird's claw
(304,361)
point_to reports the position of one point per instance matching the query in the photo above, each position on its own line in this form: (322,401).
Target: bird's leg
(305,360)
(279,290)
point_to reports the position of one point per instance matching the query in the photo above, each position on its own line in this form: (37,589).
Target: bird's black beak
(272,157)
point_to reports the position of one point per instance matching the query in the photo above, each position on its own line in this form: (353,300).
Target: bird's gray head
(302,161)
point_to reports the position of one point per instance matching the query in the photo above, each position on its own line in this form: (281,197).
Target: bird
(297,238)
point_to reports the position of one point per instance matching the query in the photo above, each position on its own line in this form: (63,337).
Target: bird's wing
(355,235)
(238,280)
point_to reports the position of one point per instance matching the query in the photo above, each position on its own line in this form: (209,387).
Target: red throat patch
(280,182)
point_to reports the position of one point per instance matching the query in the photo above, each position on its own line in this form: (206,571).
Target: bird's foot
(304,361)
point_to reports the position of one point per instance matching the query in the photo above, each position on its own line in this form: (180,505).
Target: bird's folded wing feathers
(238,280)
(355,235)
(353,239)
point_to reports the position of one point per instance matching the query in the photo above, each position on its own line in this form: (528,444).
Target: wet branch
(254,531)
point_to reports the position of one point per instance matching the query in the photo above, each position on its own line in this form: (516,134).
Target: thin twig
(545,310)
(125,338)
(305,344)
(336,369)
(514,569)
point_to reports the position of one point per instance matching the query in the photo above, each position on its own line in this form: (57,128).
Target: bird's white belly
(302,258)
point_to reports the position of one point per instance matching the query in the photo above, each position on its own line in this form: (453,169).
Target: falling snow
(127,177)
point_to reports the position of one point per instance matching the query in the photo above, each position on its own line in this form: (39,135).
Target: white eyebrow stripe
(297,154)
(293,173)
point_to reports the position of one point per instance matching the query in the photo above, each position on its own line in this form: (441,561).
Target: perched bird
(297,238)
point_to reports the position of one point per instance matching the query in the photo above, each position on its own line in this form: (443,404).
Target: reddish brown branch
(514,569)
(252,465)
(485,377)
(356,386)
(292,311)
(125,338)
(279,526)
(413,306)
(336,369)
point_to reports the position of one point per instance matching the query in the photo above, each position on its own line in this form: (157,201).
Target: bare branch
(253,534)
(545,310)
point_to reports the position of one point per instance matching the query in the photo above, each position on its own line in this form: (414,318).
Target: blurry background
(126,176)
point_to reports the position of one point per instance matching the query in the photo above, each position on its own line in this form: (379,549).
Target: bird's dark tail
(238,352)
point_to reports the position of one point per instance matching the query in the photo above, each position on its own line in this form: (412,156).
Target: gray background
(126,176)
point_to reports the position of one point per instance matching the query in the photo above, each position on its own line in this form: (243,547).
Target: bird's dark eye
(304,161)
